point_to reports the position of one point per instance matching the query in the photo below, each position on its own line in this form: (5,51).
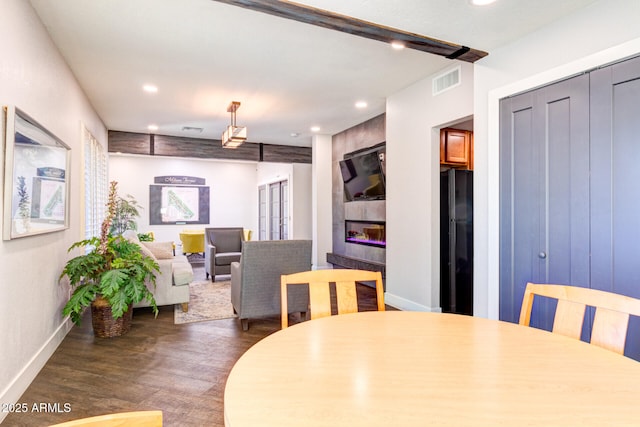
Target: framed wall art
(178,204)
(36,177)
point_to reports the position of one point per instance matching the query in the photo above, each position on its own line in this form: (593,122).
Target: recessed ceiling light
(361,104)
(150,88)
(315,128)
(294,134)
(481,2)
(397,45)
(152,127)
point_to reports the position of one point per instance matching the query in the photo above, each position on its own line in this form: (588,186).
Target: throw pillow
(147,252)
(161,250)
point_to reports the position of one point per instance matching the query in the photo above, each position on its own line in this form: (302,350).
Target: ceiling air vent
(191,129)
(447,80)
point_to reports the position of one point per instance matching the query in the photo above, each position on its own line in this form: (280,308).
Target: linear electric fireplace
(370,233)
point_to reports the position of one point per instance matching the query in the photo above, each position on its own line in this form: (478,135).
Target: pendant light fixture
(234,136)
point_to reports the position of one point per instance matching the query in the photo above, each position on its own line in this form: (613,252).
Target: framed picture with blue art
(36,177)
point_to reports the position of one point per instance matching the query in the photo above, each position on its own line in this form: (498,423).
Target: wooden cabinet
(456,148)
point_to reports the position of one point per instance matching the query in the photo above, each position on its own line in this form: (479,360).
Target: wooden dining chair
(123,419)
(320,291)
(610,322)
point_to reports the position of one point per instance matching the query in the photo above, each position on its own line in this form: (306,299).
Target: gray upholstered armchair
(255,280)
(222,247)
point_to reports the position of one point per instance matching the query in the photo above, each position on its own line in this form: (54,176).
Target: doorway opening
(273,211)
(456,218)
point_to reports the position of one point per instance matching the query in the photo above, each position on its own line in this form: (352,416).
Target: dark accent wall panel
(175,146)
(129,142)
(285,154)
(343,261)
(359,138)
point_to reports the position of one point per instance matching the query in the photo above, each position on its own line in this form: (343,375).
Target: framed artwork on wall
(36,177)
(178,204)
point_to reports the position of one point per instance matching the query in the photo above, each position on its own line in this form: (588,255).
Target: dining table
(404,368)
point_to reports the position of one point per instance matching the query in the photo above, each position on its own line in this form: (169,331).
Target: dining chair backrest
(123,419)
(320,291)
(611,318)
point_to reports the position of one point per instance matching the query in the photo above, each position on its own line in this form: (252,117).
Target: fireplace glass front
(370,233)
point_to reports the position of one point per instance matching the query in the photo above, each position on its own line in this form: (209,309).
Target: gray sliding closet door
(570,190)
(615,184)
(544,194)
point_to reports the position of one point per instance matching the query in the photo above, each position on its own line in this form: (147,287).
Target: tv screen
(363,177)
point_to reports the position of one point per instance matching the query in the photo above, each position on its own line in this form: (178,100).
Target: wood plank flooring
(178,369)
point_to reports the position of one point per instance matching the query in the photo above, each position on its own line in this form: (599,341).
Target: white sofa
(172,281)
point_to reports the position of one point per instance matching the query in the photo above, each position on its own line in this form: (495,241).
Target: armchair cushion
(227,258)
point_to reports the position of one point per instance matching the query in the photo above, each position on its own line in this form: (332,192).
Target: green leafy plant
(113,268)
(127,210)
(145,237)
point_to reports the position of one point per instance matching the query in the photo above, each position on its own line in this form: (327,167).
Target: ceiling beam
(357,27)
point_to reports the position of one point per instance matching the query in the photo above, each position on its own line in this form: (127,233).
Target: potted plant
(110,277)
(125,214)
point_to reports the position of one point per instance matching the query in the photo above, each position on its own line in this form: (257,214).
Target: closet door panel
(615,178)
(566,236)
(519,230)
(615,185)
(544,194)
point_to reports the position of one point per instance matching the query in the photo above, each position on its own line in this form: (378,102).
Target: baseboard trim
(20,383)
(407,305)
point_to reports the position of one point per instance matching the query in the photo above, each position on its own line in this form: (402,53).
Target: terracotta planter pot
(104,325)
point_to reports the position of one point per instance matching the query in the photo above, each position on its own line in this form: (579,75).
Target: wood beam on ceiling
(357,27)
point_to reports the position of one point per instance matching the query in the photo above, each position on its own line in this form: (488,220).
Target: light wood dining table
(400,368)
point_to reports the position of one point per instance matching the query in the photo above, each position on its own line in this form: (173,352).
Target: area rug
(207,301)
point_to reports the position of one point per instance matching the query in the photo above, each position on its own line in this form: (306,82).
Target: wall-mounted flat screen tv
(363,176)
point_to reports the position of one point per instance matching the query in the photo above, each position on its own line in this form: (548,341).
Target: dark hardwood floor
(178,369)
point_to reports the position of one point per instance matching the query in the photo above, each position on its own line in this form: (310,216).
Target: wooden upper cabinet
(456,148)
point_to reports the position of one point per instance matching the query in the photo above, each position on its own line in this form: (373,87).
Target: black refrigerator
(456,241)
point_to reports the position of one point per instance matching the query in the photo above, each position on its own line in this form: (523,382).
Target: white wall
(35,78)
(232,186)
(414,118)
(301,204)
(322,200)
(601,33)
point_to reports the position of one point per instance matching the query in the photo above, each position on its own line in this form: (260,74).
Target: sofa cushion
(132,236)
(227,258)
(145,251)
(182,273)
(161,250)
